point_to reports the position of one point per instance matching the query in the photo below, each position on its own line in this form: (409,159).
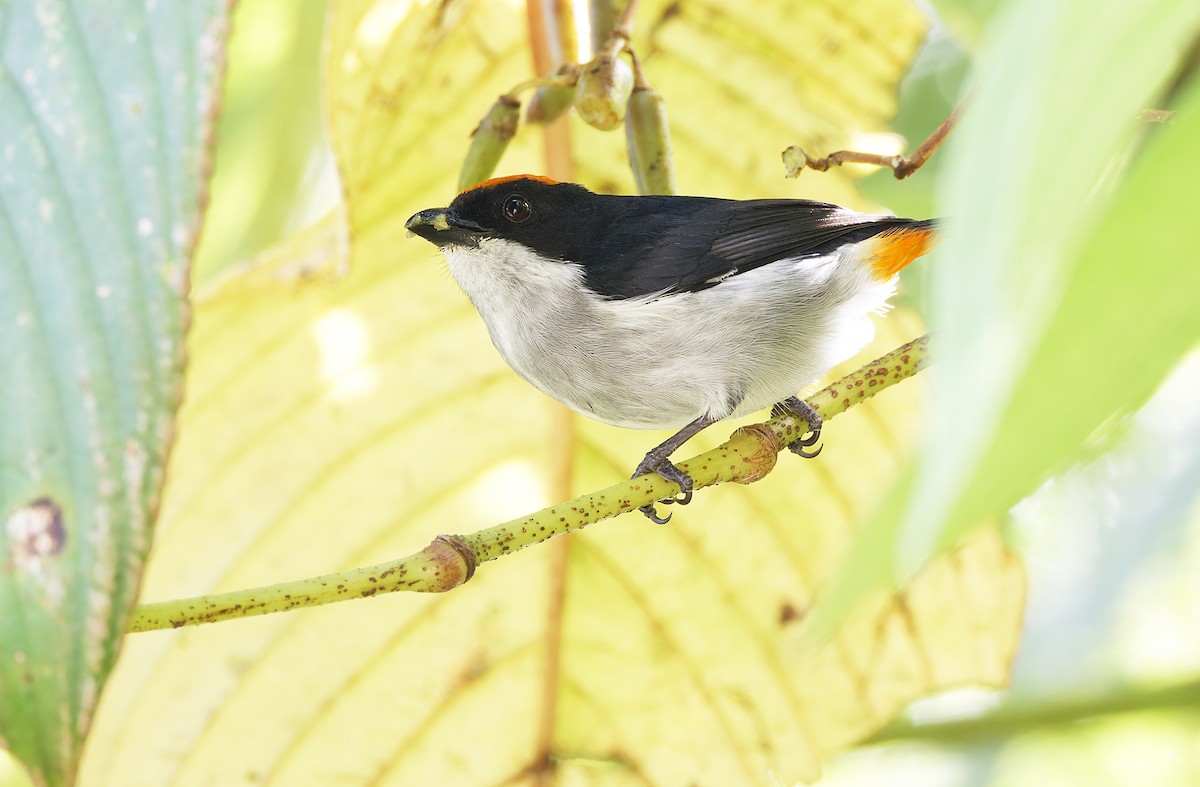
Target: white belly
(754,339)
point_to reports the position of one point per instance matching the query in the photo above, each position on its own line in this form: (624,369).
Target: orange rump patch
(894,249)
(508,179)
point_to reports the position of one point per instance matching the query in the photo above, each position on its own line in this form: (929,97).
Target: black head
(618,241)
(534,211)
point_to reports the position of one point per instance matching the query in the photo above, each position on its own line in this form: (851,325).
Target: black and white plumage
(661,312)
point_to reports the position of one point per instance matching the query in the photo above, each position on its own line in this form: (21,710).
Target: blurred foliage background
(273,172)
(1107,682)
(1114,605)
(1112,547)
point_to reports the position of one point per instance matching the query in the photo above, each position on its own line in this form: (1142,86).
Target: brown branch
(796,159)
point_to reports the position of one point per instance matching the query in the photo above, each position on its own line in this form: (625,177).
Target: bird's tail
(892,250)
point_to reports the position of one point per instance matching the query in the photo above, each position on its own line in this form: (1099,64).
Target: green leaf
(104,112)
(1036,196)
(1061,294)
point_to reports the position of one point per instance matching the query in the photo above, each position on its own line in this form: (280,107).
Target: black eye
(516,208)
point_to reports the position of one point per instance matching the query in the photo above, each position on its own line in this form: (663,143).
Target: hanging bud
(488,141)
(648,141)
(550,101)
(603,90)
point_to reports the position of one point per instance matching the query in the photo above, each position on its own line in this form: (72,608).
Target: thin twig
(796,159)
(1155,115)
(623,27)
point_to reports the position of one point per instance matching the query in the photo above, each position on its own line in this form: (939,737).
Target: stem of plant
(449,561)
(1023,718)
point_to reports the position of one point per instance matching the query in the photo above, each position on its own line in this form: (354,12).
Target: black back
(636,246)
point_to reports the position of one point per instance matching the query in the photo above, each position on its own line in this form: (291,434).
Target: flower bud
(548,103)
(603,90)
(648,141)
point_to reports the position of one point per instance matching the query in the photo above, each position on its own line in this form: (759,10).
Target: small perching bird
(660,312)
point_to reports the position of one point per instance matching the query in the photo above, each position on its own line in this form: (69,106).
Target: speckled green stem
(748,455)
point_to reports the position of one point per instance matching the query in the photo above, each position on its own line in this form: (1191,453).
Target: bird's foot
(655,463)
(658,461)
(794,405)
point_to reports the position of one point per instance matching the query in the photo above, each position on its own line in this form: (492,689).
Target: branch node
(454,563)
(758,459)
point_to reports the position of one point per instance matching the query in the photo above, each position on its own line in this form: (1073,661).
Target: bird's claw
(653,516)
(802,409)
(669,472)
(798,447)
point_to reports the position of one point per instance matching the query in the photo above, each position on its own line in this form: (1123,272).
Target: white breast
(660,362)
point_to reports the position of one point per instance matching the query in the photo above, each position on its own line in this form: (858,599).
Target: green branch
(748,455)
(1025,717)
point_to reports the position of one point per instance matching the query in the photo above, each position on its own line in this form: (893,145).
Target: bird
(670,312)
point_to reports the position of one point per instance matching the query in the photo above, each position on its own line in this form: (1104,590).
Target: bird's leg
(798,407)
(657,461)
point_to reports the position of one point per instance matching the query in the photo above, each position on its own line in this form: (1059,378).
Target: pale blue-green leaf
(104,111)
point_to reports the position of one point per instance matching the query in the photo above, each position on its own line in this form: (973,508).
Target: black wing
(702,242)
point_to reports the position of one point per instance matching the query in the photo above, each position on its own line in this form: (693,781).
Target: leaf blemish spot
(34,532)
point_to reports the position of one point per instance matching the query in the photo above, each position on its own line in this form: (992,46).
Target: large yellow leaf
(333,422)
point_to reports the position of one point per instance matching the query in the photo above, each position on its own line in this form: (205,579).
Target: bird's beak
(444,227)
